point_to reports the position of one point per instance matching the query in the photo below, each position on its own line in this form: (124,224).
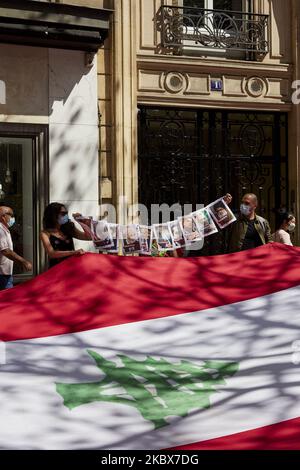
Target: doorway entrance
(23,182)
(190,156)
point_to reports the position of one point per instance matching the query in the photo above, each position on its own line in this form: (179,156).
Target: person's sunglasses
(9,213)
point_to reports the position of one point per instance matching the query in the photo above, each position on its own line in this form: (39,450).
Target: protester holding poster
(58,233)
(250,230)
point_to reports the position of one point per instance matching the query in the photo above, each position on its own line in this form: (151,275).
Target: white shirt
(281,236)
(6,265)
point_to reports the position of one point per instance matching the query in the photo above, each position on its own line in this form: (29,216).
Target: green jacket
(238,230)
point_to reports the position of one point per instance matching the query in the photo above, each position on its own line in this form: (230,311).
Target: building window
(217,12)
(236,5)
(24,182)
(16,178)
(214,27)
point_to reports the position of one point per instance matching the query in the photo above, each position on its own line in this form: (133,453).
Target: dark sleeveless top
(60,245)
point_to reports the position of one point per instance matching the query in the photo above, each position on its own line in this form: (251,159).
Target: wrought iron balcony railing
(214,29)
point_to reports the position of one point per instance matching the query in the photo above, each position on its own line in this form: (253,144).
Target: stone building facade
(49,118)
(200,103)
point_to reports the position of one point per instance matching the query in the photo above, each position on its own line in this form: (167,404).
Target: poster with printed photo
(131,238)
(101,235)
(153,242)
(86,223)
(145,234)
(163,236)
(205,222)
(221,213)
(114,229)
(177,235)
(190,230)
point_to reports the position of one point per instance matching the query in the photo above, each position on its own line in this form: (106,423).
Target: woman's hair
(283,218)
(50,219)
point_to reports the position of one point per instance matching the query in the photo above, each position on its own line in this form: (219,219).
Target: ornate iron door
(196,156)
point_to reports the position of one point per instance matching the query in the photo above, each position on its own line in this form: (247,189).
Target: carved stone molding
(256,87)
(190,85)
(175,82)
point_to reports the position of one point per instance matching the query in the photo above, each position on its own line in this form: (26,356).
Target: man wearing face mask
(250,230)
(7,254)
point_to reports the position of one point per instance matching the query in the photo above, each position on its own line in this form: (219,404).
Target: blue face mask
(11,222)
(63,219)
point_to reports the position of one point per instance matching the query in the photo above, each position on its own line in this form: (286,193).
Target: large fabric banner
(105,352)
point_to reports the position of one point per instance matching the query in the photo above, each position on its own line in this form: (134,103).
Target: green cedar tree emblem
(156,388)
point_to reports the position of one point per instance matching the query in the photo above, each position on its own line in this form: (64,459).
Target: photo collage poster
(169,236)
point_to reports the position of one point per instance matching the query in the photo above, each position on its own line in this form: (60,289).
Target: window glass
(16,178)
(194,3)
(235,5)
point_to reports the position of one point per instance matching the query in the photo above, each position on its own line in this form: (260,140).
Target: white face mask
(291,227)
(245,210)
(11,222)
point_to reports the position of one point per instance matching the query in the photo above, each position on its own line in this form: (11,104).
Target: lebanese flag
(108,352)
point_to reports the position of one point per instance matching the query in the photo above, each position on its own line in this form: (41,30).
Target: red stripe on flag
(280,436)
(96,291)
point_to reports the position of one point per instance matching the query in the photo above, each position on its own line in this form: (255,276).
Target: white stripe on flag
(258,334)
